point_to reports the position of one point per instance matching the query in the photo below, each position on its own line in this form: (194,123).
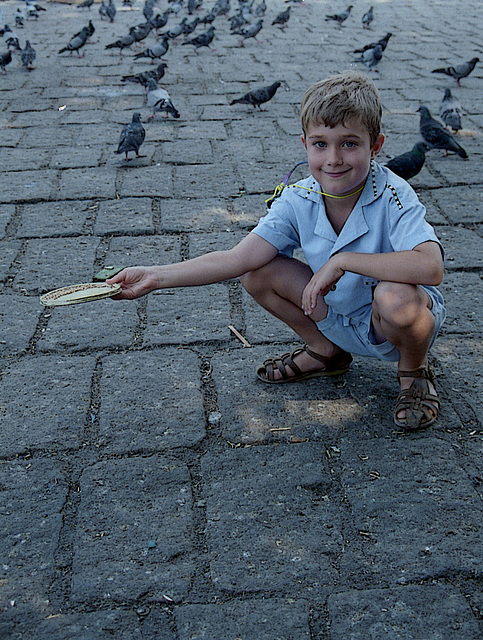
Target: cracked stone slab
(127,215)
(270,618)
(164,411)
(142,509)
(270,522)
(47,219)
(18,319)
(430,611)
(31,499)
(148,250)
(416,525)
(52,397)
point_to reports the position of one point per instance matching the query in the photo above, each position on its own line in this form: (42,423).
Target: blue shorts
(357,337)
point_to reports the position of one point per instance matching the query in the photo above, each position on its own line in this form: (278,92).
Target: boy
(372,260)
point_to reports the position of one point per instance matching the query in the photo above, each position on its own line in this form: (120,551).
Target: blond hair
(340,99)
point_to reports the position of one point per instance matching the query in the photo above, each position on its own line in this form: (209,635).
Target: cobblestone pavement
(151,487)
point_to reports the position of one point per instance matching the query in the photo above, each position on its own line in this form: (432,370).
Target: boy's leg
(402,315)
(278,288)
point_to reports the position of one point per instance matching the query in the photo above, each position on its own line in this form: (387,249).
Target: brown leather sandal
(421,406)
(334,366)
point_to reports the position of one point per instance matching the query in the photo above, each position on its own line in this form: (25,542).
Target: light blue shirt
(387,217)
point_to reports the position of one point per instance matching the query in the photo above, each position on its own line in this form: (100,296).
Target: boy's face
(339,157)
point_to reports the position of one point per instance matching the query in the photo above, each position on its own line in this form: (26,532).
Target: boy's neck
(338,211)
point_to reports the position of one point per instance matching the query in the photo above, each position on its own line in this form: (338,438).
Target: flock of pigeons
(246,22)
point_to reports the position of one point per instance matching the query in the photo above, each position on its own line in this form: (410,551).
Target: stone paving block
(175,316)
(76,157)
(147,250)
(142,508)
(284,619)
(453,239)
(202,130)
(202,243)
(458,355)
(188,214)
(206,181)
(462,205)
(430,611)
(461,292)
(199,152)
(247,210)
(127,215)
(154,181)
(271,525)
(54,219)
(7,211)
(311,411)
(416,526)
(52,397)
(31,500)
(96,625)
(24,186)
(166,409)
(97,325)
(261,326)
(455,170)
(18,160)
(50,263)
(18,319)
(94,182)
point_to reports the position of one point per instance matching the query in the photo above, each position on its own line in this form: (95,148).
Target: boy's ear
(377,146)
(302,137)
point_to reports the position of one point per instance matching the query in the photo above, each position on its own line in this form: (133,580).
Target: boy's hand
(320,284)
(135,282)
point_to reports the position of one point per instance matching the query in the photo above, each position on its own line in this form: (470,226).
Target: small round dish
(77,293)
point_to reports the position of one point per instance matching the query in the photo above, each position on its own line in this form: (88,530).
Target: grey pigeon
(458,71)
(160,20)
(367,18)
(383,42)
(102,10)
(203,40)
(409,164)
(77,42)
(282,18)
(250,31)
(340,17)
(111,10)
(194,5)
(123,42)
(260,8)
(160,100)
(148,9)
(175,31)
(19,17)
(436,135)
(5,58)
(450,111)
(87,4)
(189,27)
(28,56)
(155,52)
(258,96)
(132,137)
(142,78)
(371,57)
(141,31)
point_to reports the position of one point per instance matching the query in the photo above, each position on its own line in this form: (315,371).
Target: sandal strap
(421,372)
(343,358)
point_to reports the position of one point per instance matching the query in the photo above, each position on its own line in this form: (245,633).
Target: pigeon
(371,57)
(13,42)
(111,11)
(90,31)
(148,9)
(160,100)
(194,5)
(282,18)
(458,71)
(436,136)
(367,18)
(258,96)
(141,31)
(132,137)
(87,4)
(175,31)
(383,42)
(340,17)
(28,56)
(77,42)
(5,58)
(155,52)
(103,10)
(251,31)
(208,18)
(260,9)
(221,7)
(142,78)
(409,164)
(189,27)
(203,40)
(160,20)
(19,17)
(122,43)
(450,111)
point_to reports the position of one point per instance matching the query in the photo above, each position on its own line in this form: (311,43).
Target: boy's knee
(398,302)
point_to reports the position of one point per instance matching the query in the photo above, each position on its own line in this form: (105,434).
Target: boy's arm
(421,265)
(249,254)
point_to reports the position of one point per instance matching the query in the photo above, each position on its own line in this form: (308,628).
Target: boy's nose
(334,156)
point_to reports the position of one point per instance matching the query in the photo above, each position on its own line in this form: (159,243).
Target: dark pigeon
(132,137)
(383,42)
(5,58)
(258,96)
(250,31)
(367,18)
(340,18)
(203,40)
(436,136)
(282,18)
(409,164)
(28,56)
(77,42)
(458,71)
(143,77)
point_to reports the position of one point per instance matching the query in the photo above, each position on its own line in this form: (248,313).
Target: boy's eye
(350,144)
(320,144)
